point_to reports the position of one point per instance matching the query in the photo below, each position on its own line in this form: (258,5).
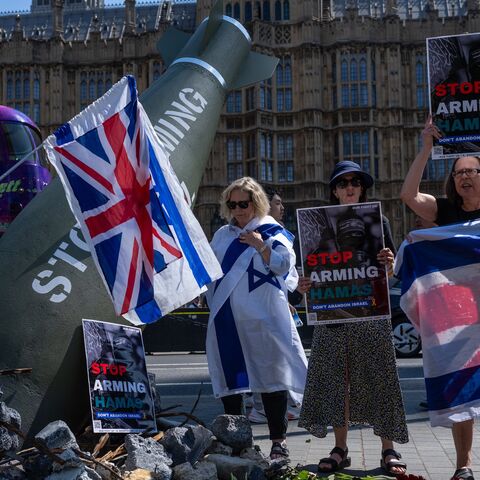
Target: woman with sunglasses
(252,342)
(352,375)
(462,190)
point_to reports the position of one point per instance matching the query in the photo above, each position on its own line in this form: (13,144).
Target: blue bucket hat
(342,168)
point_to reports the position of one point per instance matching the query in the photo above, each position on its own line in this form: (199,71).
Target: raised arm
(422,204)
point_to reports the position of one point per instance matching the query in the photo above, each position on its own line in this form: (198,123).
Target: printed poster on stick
(339,246)
(120,394)
(454,87)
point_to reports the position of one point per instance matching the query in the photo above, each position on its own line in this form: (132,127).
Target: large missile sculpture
(48,281)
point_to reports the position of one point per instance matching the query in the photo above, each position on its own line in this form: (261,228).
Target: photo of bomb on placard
(454,87)
(339,246)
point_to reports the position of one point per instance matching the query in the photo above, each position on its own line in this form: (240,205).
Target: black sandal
(334,465)
(280,450)
(464,473)
(388,466)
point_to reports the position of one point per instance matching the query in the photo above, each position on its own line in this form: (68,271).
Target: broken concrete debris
(224,452)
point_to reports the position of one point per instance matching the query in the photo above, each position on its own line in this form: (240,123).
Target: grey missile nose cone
(215,60)
(48,282)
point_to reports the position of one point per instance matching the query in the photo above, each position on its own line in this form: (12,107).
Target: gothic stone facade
(351,84)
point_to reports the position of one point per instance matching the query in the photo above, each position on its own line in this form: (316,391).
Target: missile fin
(171,43)
(214,20)
(256,67)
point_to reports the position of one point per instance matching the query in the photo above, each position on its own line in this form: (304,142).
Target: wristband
(262,249)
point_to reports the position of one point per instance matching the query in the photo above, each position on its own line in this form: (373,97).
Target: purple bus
(18,137)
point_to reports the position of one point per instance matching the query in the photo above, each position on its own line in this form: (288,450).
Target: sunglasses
(354,182)
(243,204)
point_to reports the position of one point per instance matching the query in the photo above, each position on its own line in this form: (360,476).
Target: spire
(57,13)
(17,33)
(473,5)
(130,20)
(391,8)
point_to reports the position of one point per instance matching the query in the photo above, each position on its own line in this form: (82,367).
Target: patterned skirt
(364,354)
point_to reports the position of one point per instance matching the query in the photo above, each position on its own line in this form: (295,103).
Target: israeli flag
(440,271)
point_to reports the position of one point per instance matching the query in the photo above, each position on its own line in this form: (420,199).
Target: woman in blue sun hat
(352,375)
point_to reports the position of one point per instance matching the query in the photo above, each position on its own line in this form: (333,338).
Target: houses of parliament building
(351,84)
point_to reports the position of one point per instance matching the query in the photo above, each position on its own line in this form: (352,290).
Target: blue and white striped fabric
(440,271)
(252,341)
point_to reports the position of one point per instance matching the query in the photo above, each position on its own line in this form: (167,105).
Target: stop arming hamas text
(338,275)
(119,386)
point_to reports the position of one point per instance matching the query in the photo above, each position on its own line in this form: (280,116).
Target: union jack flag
(103,157)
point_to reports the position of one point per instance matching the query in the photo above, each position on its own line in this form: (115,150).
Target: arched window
(108,84)
(36,89)
(239,149)
(230,150)
(234,158)
(91,89)
(230,102)
(26,86)
(287,74)
(279,75)
(347,144)
(36,112)
(280,101)
(353,71)
(9,89)
(289,147)
(228,9)
(18,88)
(344,71)
(236,11)
(83,90)
(100,90)
(248,11)
(288,99)
(363,95)
(278,10)
(365,143)
(356,143)
(286,10)
(419,72)
(266,10)
(281,147)
(354,95)
(345,96)
(363,70)
(334,67)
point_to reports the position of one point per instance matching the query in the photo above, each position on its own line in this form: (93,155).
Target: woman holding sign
(461,205)
(352,375)
(252,342)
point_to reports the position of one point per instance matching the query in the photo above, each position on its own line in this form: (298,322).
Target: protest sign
(120,394)
(339,246)
(454,86)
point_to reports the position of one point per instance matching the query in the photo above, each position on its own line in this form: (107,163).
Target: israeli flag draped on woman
(252,341)
(440,271)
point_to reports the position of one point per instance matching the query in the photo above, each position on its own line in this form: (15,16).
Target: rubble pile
(223,452)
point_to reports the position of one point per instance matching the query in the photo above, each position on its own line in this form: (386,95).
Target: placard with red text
(454,94)
(120,394)
(339,246)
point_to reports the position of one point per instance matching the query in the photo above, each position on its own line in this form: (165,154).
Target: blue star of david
(263,278)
